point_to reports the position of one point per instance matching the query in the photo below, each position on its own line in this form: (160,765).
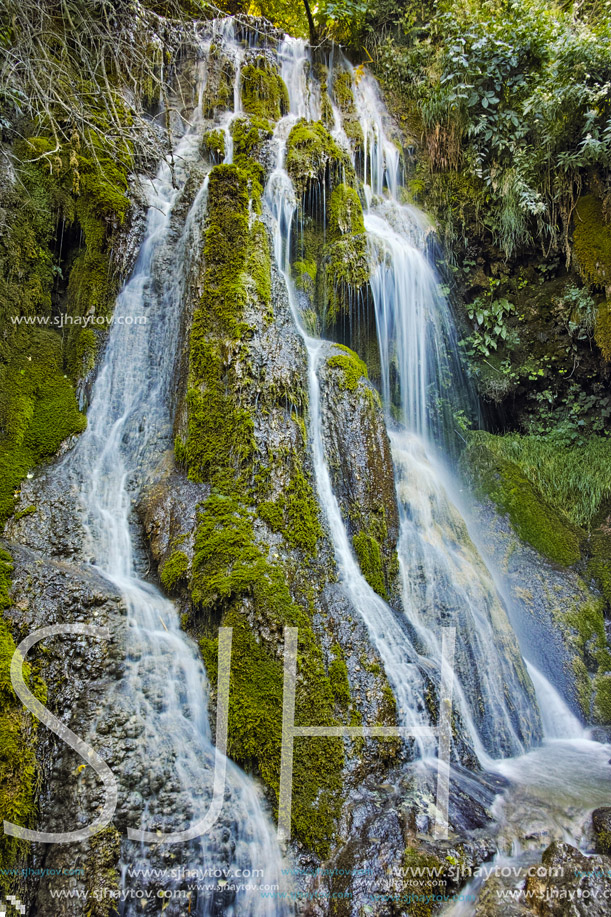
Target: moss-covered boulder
(220,78)
(264,93)
(313,157)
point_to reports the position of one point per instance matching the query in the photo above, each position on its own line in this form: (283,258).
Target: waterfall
(163,693)
(506,707)
(444,579)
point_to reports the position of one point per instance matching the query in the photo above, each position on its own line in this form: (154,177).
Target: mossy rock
(343,277)
(218,94)
(232,579)
(255,715)
(38,409)
(601,825)
(592,241)
(533,518)
(341,89)
(175,570)
(369,554)
(249,134)
(426,880)
(313,156)
(264,93)
(352,368)
(345,213)
(213,146)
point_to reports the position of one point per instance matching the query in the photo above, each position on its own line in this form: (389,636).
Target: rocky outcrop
(571,884)
(358,453)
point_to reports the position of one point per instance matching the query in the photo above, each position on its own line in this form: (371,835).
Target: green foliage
(514,97)
(533,517)
(489,316)
(575,479)
(369,555)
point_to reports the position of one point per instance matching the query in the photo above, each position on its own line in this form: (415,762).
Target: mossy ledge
(534,519)
(233,581)
(264,94)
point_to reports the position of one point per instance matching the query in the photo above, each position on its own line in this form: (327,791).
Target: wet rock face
(78,671)
(359,457)
(601,825)
(544,604)
(573,885)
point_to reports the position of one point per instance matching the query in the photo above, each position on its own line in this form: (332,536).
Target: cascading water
(162,697)
(445,578)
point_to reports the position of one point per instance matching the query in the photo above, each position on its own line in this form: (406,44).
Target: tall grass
(575,479)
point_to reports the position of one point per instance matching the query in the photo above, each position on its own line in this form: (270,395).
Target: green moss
(218,94)
(304,276)
(295,512)
(81,358)
(255,715)
(369,555)
(592,241)
(213,145)
(602,699)
(599,565)
(602,329)
(18,772)
(232,579)
(534,519)
(272,513)
(344,98)
(425,880)
(345,213)
(174,570)
(38,409)
(312,156)
(343,275)
(352,369)
(220,438)
(264,93)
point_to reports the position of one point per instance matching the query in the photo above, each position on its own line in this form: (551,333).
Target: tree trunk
(312,26)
